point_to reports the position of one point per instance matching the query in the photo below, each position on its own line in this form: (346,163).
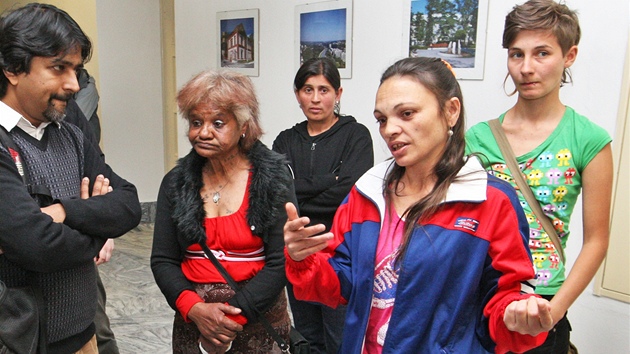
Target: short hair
(228,91)
(37,30)
(314,67)
(546,15)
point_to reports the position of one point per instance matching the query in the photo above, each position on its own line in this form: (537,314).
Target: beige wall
(130,63)
(84,12)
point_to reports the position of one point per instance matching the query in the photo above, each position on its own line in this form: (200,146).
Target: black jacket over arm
(179,224)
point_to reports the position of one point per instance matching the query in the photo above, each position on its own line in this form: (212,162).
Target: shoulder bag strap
(272,332)
(510,160)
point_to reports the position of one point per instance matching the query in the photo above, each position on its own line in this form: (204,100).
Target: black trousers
(558,338)
(104,335)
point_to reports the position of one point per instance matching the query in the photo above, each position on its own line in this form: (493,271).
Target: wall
(600,325)
(196,33)
(378,41)
(131,91)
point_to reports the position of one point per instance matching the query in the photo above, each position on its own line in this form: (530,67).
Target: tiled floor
(139,315)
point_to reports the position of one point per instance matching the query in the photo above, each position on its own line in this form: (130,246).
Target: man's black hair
(37,30)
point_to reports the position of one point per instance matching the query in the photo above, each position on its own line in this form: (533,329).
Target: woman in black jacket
(327,152)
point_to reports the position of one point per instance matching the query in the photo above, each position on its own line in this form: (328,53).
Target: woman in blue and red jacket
(428,251)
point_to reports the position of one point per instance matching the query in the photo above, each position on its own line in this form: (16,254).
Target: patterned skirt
(253,339)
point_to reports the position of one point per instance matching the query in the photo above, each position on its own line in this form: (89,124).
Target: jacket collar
(469,186)
(267,188)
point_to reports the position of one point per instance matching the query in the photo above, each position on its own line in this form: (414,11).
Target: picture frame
(238,41)
(325,29)
(457,37)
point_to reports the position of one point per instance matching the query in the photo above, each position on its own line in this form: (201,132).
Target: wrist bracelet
(203,351)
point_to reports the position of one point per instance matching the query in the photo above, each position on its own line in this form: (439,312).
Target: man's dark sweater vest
(69,295)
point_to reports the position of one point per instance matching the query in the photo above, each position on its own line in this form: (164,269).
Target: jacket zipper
(312,157)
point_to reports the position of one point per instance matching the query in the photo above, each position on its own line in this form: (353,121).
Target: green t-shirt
(554,172)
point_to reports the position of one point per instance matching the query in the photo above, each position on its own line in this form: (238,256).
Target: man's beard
(52,114)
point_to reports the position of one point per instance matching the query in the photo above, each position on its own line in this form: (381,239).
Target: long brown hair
(437,77)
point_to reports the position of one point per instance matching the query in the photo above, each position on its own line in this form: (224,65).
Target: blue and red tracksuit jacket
(462,268)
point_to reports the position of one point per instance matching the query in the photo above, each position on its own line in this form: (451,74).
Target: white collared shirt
(10,118)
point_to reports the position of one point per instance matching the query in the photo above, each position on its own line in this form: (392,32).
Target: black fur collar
(267,192)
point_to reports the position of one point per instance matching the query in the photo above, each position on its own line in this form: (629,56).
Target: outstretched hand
(299,239)
(528,316)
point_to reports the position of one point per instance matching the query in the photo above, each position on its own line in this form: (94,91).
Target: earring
(450,132)
(504,82)
(243,135)
(337,108)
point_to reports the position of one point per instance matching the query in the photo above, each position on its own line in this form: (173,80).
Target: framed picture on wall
(237,45)
(451,30)
(324,29)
